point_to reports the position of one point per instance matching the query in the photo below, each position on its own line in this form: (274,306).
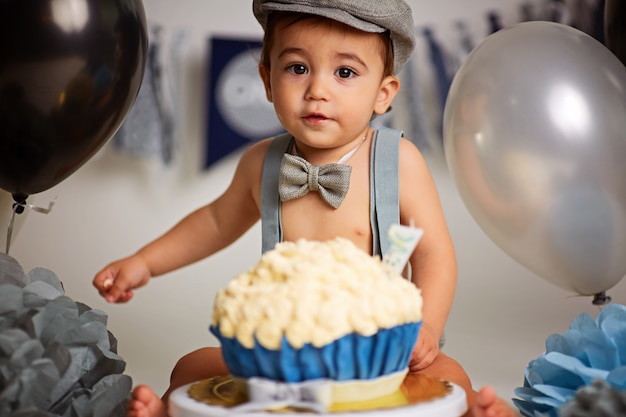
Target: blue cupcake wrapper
(350,357)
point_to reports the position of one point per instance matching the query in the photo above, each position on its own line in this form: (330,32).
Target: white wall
(115,204)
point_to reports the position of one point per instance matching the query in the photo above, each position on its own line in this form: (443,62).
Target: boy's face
(326,80)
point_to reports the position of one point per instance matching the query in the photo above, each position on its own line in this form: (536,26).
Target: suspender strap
(271,230)
(384,189)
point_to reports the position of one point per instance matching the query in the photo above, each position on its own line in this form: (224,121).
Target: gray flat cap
(374,16)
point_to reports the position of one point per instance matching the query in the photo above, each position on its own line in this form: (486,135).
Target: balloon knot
(601,299)
(20,202)
(18,208)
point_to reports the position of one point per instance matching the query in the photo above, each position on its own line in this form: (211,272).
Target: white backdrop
(115,204)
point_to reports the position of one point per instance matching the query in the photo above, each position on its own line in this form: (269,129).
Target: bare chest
(309,217)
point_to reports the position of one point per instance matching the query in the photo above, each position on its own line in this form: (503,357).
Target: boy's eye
(297,69)
(345,73)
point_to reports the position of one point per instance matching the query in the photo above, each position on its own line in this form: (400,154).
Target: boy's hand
(117,280)
(425,351)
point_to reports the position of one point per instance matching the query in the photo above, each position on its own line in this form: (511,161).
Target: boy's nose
(317,88)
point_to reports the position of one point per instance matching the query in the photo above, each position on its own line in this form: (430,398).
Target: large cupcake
(312,310)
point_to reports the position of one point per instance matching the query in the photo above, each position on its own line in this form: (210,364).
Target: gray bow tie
(298,177)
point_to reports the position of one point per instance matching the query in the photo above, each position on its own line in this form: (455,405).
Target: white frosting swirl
(314,292)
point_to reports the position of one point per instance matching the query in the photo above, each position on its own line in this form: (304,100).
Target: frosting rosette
(311,310)
(590,350)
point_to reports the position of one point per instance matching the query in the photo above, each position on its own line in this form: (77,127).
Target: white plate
(452,405)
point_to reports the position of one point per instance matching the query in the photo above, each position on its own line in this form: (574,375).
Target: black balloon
(70,71)
(615,28)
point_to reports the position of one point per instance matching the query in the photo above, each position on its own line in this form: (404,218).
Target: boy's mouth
(315,117)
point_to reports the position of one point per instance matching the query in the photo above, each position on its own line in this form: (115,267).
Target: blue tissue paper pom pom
(589,350)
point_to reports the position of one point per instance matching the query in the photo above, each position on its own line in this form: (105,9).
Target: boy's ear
(265,76)
(389,87)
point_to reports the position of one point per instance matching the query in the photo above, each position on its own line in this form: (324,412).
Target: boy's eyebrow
(288,51)
(351,56)
(343,55)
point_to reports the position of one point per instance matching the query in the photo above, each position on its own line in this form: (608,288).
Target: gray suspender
(384,193)
(271,230)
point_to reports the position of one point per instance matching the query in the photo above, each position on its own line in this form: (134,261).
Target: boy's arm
(433,264)
(212,227)
(200,234)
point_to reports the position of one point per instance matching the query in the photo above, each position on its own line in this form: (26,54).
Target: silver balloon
(535,139)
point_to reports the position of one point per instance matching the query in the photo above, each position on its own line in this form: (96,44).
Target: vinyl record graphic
(239,112)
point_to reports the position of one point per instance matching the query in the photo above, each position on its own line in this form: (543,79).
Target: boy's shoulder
(258,148)
(254,156)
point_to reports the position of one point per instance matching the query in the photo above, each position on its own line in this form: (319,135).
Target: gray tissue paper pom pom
(57,358)
(596,400)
